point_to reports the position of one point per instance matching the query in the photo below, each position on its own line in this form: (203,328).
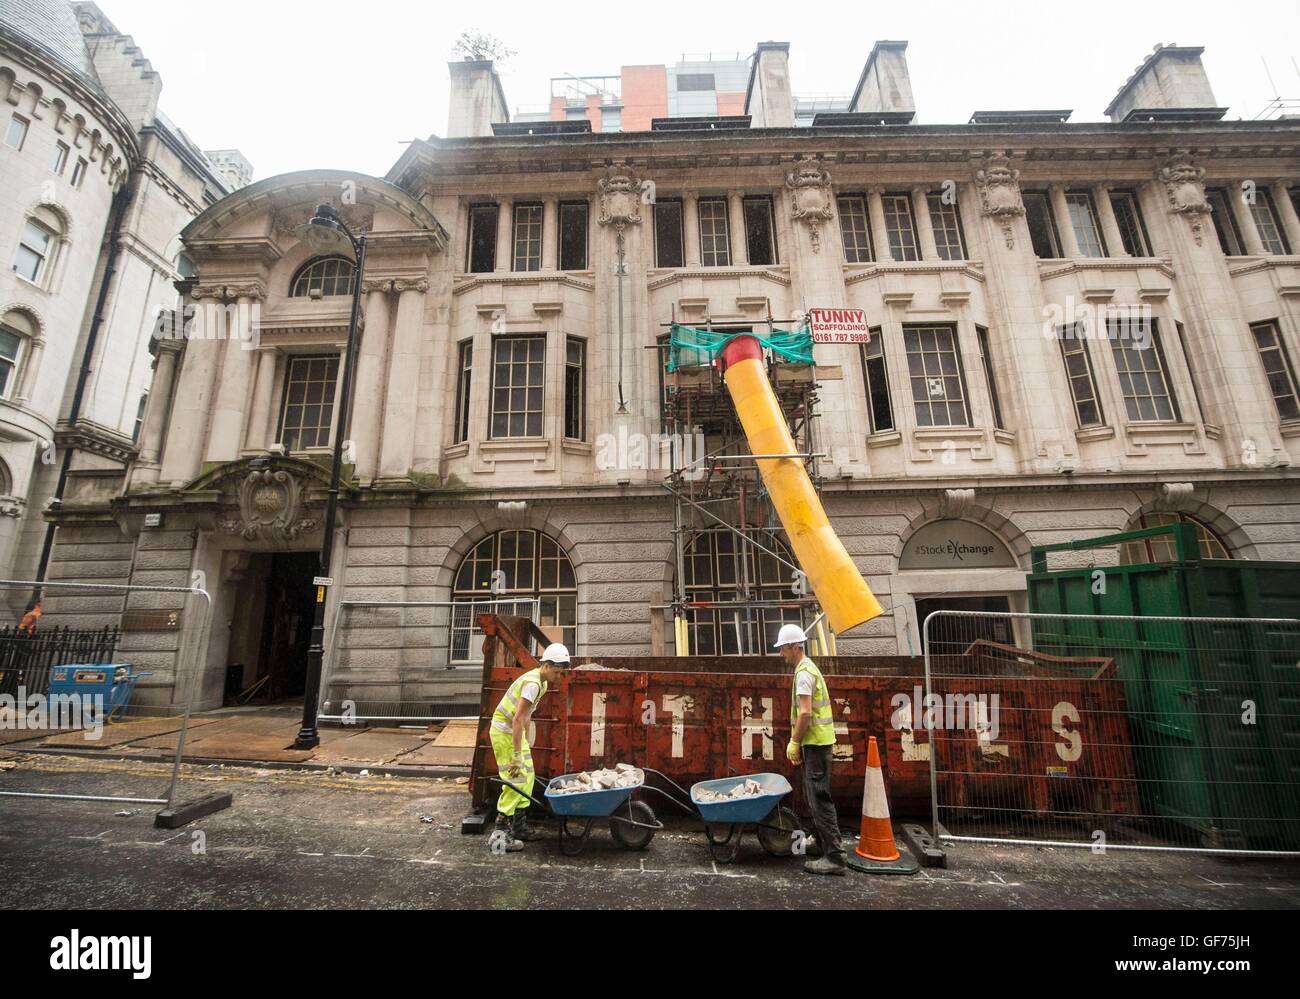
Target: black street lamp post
(327,234)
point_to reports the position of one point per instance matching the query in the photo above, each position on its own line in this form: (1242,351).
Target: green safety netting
(692,348)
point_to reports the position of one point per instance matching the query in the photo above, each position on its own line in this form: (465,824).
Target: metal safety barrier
(1114,732)
(409,662)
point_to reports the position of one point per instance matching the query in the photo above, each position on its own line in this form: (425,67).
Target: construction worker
(514,755)
(27,626)
(812,746)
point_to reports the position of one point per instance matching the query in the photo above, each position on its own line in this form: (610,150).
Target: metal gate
(409,662)
(1120,732)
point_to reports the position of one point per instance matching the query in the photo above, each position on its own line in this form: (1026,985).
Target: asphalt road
(316,841)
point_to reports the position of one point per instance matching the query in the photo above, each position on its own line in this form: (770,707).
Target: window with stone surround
(518,381)
(1225,223)
(1191,370)
(938,381)
(464,383)
(573,235)
(875,372)
(527,236)
(1079,373)
(1264,212)
(1162,548)
(60,158)
(760,231)
(16,133)
(138,427)
(575,389)
(715,234)
(481,252)
(669,245)
(1042,225)
(38,247)
(986,359)
(79,173)
(12,340)
(324,277)
(945,220)
(307,415)
(855,229)
(719,564)
(1083,219)
(900,226)
(1132,229)
(1278,369)
(1142,369)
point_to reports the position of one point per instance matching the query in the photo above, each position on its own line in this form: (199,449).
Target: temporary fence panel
(93,684)
(409,662)
(1177,733)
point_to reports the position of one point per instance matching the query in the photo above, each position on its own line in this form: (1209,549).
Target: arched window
(1161,548)
(323,277)
(719,564)
(17,330)
(531,566)
(39,244)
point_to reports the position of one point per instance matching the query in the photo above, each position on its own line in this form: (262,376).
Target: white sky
(303,84)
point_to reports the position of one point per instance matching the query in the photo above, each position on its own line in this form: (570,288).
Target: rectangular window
(949,239)
(528,237)
(901,226)
(482,257)
(1225,223)
(33,252)
(938,383)
(307,417)
(139,419)
(1278,369)
(1191,371)
(1143,373)
(1078,369)
(1132,230)
(518,380)
(575,389)
(1270,229)
(1295,199)
(10,344)
(696,81)
(986,358)
(668,234)
(760,232)
(573,235)
(60,158)
(876,374)
(1083,219)
(715,237)
(78,173)
(855,230)
(464,382)
(16,134)
(1042,226)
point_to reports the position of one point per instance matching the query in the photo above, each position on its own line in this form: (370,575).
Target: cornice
(491,280)
(969,268)
(718,274)
(1076,266)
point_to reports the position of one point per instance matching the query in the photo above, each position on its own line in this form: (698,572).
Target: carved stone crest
(999,186)
(620,198)
(270,508)
(287,221)
(1185,187)
(811,199)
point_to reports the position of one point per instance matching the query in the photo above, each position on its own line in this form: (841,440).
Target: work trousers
(817,793)
(503,748)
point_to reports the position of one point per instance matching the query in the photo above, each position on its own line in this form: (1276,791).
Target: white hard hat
(556,654)
(791,634)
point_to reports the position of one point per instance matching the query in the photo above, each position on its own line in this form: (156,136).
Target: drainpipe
(121,201)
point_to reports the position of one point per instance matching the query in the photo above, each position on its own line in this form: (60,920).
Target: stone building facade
(1078,328)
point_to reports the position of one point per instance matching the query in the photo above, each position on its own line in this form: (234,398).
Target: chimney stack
(478,100)
(885,84)
(1171,79)
(769,99)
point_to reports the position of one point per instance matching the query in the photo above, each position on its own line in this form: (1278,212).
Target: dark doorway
(954,634)
(286,631)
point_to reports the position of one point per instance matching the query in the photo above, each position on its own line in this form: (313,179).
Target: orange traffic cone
(877,842)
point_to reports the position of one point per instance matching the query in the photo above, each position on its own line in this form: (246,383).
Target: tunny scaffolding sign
(839,326)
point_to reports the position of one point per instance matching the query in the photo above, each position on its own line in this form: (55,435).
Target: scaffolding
(719,494)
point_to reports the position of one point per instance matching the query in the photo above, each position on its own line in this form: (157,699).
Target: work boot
(812,848)
(826,866)
(502,839)
(522,831)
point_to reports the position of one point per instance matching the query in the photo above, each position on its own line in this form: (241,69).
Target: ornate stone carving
(1185,186)
(287,221)
(381,285)
(270,508)
(956,504)
(421,286)
(1174,496)
(811,199)
(620,198)
(999,186)
(224,293)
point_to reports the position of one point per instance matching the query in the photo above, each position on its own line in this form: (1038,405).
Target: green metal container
(1214,705)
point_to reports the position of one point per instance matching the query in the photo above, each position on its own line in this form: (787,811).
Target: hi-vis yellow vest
(822,730)
(503,719)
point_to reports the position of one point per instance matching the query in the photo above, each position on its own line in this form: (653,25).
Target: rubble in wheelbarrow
(749,789)
(622,776)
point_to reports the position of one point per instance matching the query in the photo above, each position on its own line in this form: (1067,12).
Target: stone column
(260,417)
(155,420)
(1246,221)
(691,228)
(924,224)
(505,236)
(550,234)
(231,406)
(1109,224)
(1287,214)
(397,449)
(736,217)
(1064,222)
(187,430)
(368,400)
(879,234)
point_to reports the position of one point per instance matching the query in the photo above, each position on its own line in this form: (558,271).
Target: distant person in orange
(27,626)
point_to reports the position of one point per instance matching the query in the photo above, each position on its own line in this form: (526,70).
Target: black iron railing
(26,660)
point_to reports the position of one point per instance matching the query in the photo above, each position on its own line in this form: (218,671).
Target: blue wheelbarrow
(632,823)
(108,685)
(726,822)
